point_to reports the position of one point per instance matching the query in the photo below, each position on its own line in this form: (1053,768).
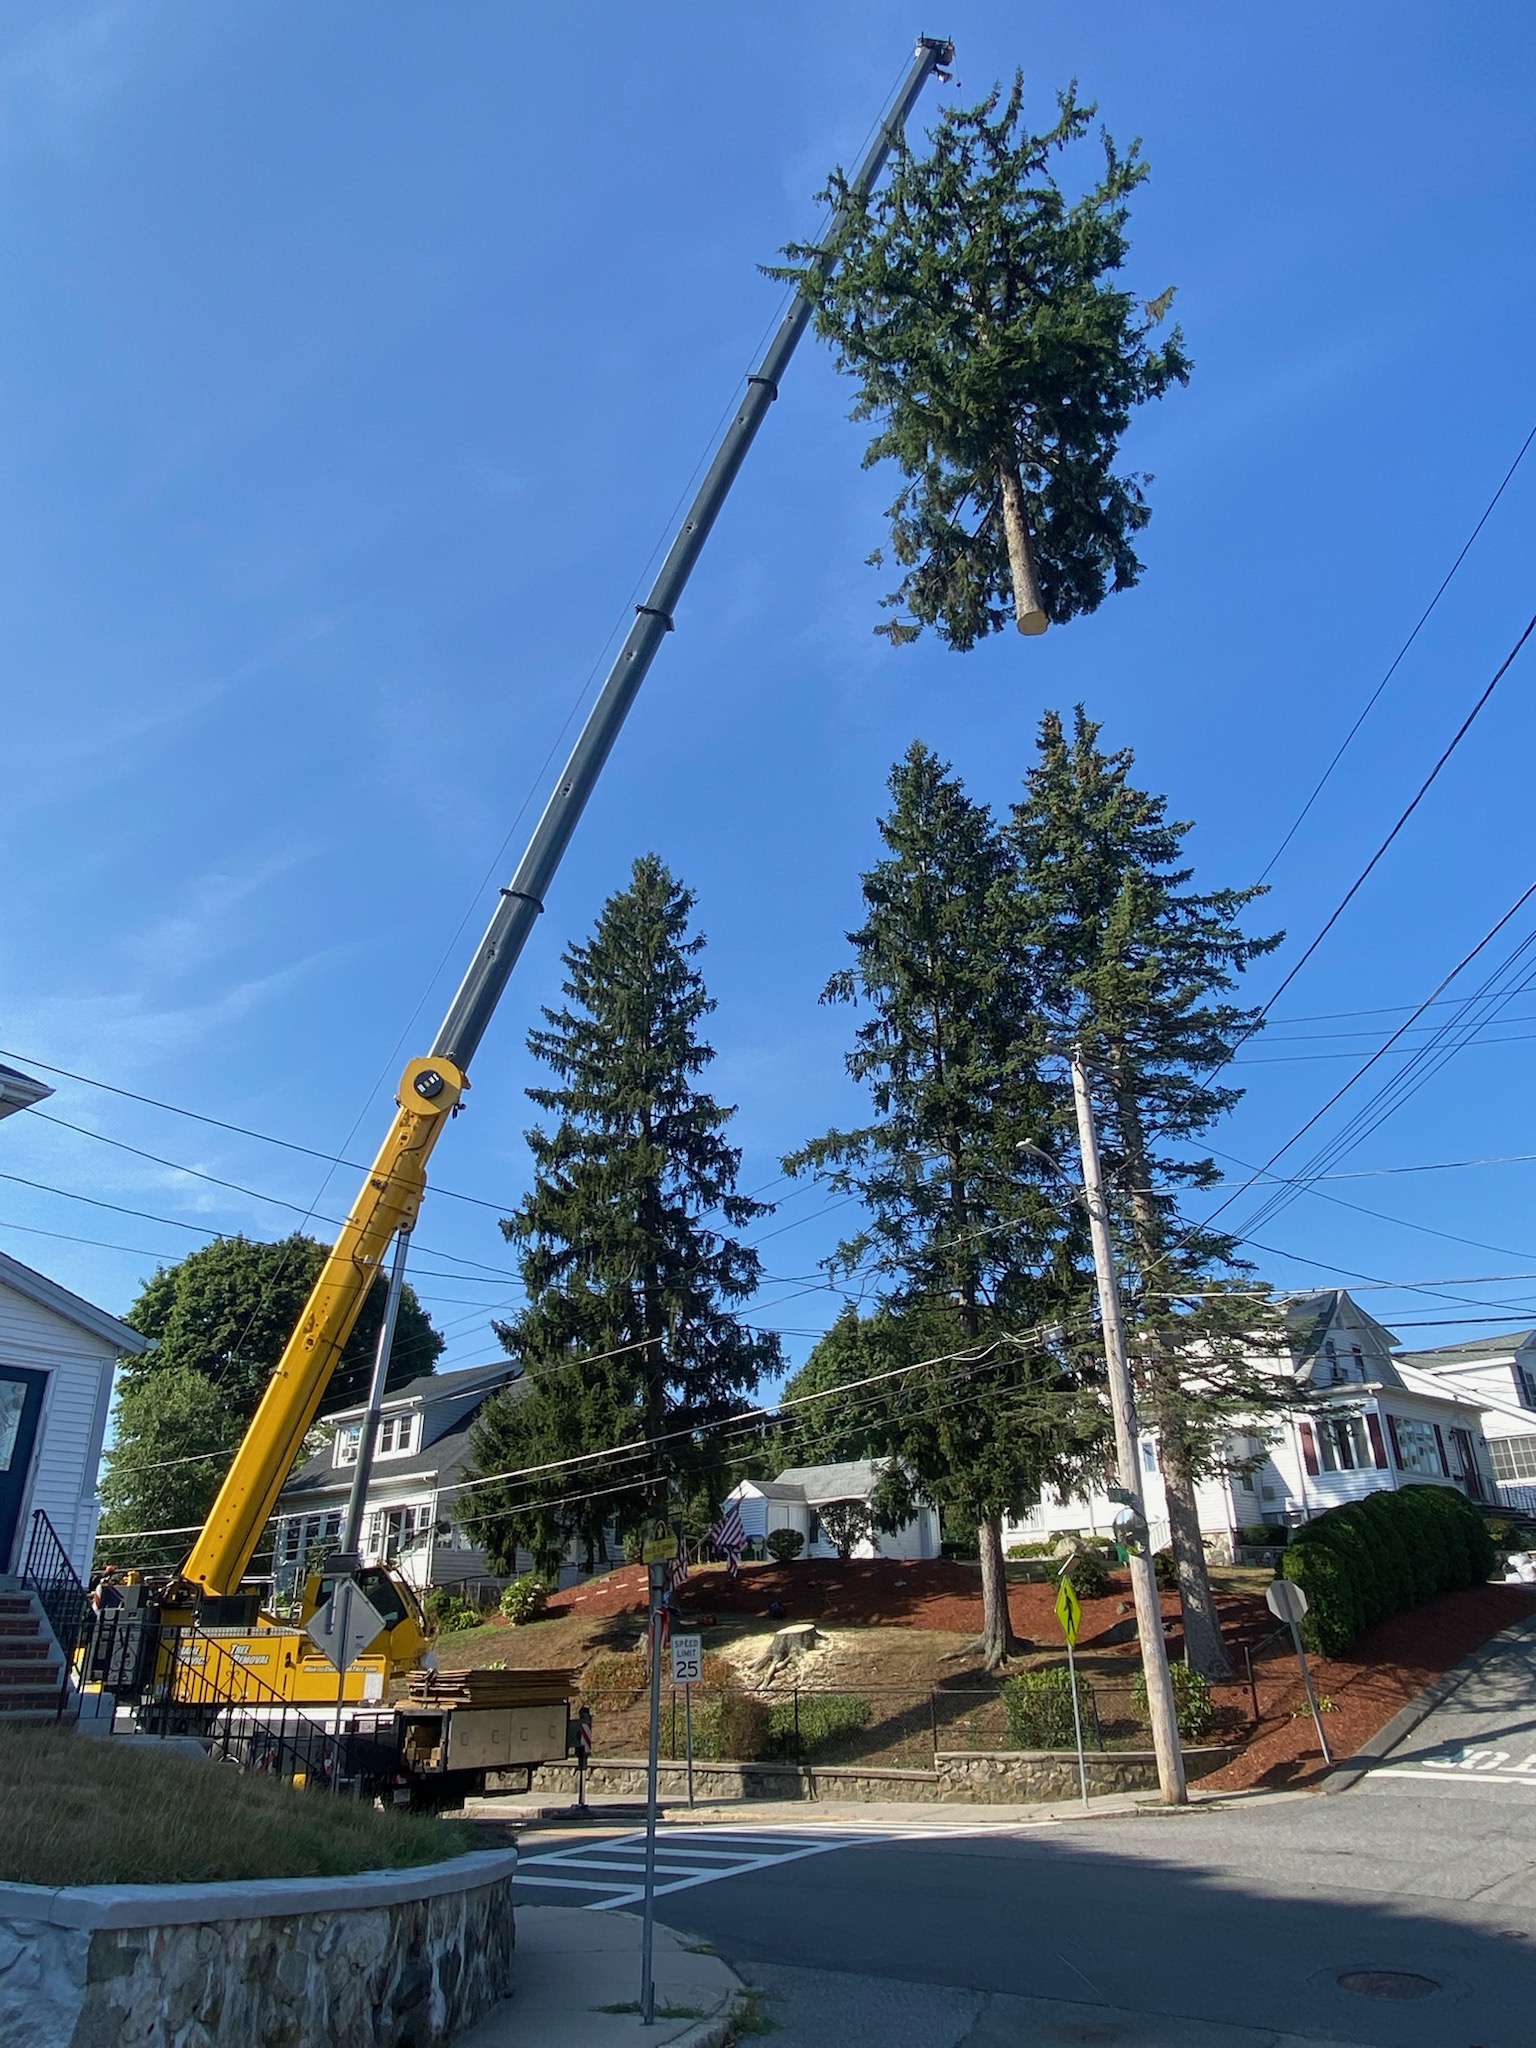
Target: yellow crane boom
(430,1088)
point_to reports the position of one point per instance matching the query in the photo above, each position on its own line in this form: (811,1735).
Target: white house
(410,1517)
(1381,1424)
(1499,1375)
(57,1357)
(796,1499)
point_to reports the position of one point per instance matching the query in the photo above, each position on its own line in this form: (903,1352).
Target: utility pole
(1122,1402)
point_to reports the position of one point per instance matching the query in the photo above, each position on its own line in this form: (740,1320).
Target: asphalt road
(1400,1914)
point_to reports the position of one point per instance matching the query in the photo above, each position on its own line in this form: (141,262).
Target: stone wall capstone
(103,1967)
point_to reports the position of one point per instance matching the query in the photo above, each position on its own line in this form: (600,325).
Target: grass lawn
(79,1811)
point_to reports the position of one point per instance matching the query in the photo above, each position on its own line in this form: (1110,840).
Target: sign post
(1287,1602)
(657,1553)
(687,1670)
(343,1628)
(1069,1612)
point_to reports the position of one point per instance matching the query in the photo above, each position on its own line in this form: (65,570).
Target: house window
(1359,1357)
(1344,1444)
(397,1436)
(1528,1383)
(1514,1457)
(300,1536)
(1331,1356)
(393,1531)
(1148,1455)
(347,1441)
(1417,1449)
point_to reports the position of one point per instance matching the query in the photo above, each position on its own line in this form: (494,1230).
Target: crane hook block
(431,1087)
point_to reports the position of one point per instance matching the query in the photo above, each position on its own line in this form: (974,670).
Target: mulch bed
(930,1593)
(1388,1666)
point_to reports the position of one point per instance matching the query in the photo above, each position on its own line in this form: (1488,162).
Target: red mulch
(935,1593)
(1387,1667)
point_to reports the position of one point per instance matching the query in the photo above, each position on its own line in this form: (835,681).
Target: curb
(1421,1706)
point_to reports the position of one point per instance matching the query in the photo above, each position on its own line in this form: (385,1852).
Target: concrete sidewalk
(573,1968)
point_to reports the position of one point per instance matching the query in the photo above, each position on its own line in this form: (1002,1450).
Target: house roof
(854,1481)
(771,1489)
(1479,1351)
(437,1388)
(449,1401)
(19,1091)
(1312,1318)
(83,1314)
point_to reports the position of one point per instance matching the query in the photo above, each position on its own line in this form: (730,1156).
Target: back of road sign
(1285,1601)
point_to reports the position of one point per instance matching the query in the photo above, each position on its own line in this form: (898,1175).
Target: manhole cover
(1388,1984)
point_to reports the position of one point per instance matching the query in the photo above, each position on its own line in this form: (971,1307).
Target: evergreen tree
(220,1318)
(967,1246)
(977,307)
(1136,964)
(634,1275)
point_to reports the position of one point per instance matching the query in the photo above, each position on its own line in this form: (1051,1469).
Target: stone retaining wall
(980,1777)
(396,1959)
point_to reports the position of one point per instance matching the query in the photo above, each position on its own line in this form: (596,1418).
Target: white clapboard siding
(79,1365)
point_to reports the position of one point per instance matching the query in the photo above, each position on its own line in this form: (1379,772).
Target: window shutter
(1440,1446)
(1308,1448)
(1397,1449)
(1378,1444)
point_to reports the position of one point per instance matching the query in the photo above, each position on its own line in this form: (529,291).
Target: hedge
(1374,1557)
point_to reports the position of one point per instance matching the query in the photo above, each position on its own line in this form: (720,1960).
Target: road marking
(1442,1775)
(687,1857)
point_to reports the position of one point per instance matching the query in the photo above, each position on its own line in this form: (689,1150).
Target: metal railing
(893,1728)
(186,1681)
(54,1580)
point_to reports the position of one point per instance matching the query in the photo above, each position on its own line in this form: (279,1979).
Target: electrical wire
(1397,660)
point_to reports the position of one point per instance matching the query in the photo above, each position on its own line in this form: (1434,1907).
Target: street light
(1122,1405)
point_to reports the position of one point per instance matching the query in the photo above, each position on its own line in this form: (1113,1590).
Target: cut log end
(1033,623)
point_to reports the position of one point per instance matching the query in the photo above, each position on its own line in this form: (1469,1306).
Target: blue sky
(354,361)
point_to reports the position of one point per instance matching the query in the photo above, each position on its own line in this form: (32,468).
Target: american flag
(680,1562)
(728,1538)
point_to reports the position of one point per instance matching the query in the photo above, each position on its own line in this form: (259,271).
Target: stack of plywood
(442,1689)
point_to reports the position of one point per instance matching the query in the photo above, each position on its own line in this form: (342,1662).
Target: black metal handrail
(54,1580)
(187,1681)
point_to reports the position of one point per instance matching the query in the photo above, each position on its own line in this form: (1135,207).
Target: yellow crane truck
(222,1658)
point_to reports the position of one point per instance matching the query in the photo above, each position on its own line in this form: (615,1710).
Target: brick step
(11,1625)
(28,1698)
(27,1658)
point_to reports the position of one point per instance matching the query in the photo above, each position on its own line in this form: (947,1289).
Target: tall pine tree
(967,1247)
(1136,965)
(979,308)
(634,1275)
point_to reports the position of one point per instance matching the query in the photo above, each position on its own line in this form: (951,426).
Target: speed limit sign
(687,1660)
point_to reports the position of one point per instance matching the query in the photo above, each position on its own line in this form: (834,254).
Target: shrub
(614,1680)
(1193,1707)
(1503,1534)
(818,1720)
(525,1599)
(1262,1535)
(729,1726)
(785,1545)
(1089,1575)
(446,1611)
(1330,1626)
(1021,1550)
(1038,1709)
(1165,1568)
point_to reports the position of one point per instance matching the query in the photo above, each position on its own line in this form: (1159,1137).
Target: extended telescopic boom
(430,1088)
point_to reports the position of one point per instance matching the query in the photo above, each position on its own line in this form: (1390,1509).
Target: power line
(1418,797)
(1397,659)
